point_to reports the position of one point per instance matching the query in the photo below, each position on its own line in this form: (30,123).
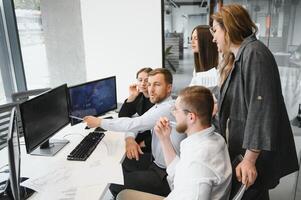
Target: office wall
(120,37)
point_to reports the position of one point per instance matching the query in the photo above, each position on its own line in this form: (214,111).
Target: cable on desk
(73,134)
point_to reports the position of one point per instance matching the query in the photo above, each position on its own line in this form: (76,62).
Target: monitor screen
(43,116)
(92,98)
(13,147)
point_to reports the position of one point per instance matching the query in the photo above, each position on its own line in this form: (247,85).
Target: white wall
(120,37)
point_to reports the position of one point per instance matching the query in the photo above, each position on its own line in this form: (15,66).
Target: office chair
(237,189)
(5,111)
(19,97)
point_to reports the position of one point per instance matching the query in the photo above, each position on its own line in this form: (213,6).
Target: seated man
(148,172)
(203,170)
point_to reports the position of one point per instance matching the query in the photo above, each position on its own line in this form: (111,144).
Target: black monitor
(13,148)
(13,189)
(43,116)
(92,98)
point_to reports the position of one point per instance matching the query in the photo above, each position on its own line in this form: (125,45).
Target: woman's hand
(133,92)
(246,170)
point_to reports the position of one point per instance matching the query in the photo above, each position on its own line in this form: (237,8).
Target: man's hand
(133,92)
(246,172)
(92,122)
(163,128)
(132,148)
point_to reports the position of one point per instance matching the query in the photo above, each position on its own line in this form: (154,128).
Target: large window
(51,41)
(29,22)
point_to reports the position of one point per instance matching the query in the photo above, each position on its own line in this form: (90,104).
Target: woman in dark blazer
(252,114)
(138,103)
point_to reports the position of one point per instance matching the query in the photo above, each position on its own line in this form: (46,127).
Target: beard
(181,128)
(157,99)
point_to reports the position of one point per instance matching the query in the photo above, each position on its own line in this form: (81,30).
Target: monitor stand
(50,148)
(7,193)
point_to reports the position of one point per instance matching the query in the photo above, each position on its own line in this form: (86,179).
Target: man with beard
(203,170)
(147,172)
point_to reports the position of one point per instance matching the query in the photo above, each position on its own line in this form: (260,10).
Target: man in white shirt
(203,170)
(147,172)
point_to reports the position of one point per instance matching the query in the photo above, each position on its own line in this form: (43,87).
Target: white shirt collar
(195,138)
(167,99)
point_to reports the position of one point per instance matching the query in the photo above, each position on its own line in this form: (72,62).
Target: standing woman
(205,57)
(252,113)
(138,103)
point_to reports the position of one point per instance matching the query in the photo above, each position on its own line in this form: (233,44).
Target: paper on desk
(71,193)
(86,176)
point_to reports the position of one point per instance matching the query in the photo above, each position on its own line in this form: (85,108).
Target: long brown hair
(235,20)
(207,57)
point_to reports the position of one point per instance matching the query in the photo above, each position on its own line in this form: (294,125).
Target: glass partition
(279,25)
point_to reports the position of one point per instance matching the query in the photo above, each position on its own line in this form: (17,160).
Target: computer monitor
(13,148)
(13,190)
(92,98)
(43,116)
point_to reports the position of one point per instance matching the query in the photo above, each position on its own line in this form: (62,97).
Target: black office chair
(19,97)
(237,188)
(5,111)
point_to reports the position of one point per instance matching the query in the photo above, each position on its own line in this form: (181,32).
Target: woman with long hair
(205,57)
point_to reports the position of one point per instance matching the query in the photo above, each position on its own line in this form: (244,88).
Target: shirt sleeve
(144,122)
(262,93)
(192,82)
(171,170)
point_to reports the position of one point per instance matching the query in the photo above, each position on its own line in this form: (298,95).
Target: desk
(58,178)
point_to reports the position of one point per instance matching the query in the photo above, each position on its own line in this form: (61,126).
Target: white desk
(58,178)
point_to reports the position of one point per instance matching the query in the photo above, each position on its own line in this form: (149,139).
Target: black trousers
(145,136)
(256,194)
(142,175)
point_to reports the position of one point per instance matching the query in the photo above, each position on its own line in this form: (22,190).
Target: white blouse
(208,78)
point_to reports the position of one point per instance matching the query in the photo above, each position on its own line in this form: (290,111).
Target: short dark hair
(165,72)
(145,69)
(199,100)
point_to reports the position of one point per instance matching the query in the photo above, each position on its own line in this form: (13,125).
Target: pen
(74,117)
(172,123)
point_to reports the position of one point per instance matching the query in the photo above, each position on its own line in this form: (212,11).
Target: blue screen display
(93,98)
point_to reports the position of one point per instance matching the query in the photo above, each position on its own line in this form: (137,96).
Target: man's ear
(169,88)
(192,117)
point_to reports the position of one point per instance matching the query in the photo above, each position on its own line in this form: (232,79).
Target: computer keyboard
(84,149)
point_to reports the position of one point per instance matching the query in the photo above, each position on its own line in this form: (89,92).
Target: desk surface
(57,178)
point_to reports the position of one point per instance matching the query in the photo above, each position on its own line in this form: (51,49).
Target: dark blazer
(252,113)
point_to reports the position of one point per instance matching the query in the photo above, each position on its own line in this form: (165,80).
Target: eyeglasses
(174,110)
(212,31)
